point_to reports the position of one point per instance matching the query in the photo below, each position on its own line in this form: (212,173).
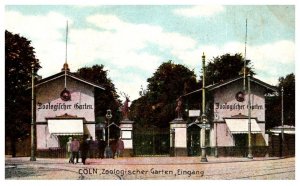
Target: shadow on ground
(15,172)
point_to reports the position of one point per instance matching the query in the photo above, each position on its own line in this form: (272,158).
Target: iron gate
(193,140)
(151,141)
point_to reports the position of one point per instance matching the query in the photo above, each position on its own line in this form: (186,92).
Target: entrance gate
(151,141)
(193,140)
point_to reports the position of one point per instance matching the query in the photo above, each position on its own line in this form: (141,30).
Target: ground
(158,168)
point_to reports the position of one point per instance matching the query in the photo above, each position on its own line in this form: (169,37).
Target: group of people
(87,147)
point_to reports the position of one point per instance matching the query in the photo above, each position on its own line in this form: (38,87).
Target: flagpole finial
(65,68)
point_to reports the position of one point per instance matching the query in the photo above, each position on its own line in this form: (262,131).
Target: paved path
(152,168)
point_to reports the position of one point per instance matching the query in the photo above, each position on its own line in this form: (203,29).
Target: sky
(131,41)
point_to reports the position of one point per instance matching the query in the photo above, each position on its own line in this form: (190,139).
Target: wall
(225,96)
(81,94)
(82,104)
(226,105)
(44,138)
(224,136)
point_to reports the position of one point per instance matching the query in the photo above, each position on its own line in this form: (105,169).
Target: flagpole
(250,156)
(33,138)
(203,128)
(244,69)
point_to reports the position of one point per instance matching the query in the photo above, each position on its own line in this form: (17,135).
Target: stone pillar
(178,127)
(126,135)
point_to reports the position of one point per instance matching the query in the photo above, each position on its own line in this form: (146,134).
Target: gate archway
(193,139)
(102,131)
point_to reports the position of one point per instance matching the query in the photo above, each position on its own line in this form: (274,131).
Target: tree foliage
(218,69)
(157,106)
(225,67)
(19,55)
(107,99)
(288,84)
(273,103)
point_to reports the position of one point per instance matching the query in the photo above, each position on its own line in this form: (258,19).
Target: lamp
(108,117)
(32,154)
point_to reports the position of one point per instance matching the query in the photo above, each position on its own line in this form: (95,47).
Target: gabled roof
(252,79)
(221,84)
(68,74)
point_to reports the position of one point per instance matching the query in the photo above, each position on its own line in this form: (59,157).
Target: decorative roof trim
(61,74)
(218,85)
(267,86)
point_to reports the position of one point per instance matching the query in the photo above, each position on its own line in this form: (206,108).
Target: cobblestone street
(153,168)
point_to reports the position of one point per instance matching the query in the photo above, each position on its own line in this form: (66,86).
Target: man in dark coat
(101,147)
(84,149)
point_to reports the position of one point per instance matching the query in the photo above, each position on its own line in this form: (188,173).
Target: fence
(275,145)
(52,153)
(151,142)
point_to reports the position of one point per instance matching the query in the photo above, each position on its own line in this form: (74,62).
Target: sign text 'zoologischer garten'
(63,106)
(237,106)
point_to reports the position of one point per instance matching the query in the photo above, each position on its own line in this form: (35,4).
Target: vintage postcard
(149,92)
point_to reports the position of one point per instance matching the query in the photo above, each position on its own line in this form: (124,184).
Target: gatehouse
(65,107)
(227,110)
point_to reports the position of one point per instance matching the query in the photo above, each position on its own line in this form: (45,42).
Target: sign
(206,126)
(65,95)
(194,113)
(63,106)
(126,134)
(237,106)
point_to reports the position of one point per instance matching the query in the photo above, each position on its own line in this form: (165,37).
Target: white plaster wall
(127,144)
(227,94)
(80,93)
(225,138)
(45,140)
(212,137)
(90,130)
(180,137)
(262,126)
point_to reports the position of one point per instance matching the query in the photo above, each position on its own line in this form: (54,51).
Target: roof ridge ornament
(65,67)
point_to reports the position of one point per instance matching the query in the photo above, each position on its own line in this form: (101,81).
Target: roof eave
(59,75)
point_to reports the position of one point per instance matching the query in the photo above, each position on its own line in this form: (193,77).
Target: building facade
(65,106)
(228,110)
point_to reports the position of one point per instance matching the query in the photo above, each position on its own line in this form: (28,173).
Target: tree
(273,103)
(19,55)
(225,67)
(107,99)
(288,84)
(218,69)
(157,106)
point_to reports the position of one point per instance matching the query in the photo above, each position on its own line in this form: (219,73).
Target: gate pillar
(126,135)
(178,143)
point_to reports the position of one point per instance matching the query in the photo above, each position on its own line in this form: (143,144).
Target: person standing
(69,151)
(95,148)
(101,147)
(84,149)
(120,147)
(92,147)
(75,148)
